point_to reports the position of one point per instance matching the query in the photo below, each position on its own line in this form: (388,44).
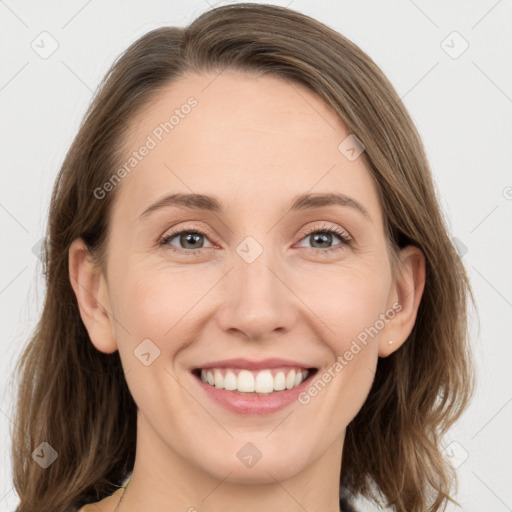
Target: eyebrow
(299,203)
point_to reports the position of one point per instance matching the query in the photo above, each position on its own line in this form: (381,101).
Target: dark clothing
(345,505)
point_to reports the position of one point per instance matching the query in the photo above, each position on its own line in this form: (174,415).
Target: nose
(257,302)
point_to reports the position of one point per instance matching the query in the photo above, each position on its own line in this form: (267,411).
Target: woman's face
(282,267)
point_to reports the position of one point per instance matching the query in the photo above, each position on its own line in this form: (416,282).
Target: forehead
(244,138)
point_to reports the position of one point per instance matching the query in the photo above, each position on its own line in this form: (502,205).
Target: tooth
(230,381)
(245,381)
(290,379)
(219,379)
(279,381)
(264,382)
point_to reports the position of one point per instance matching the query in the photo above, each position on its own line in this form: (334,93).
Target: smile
(262,381)
(248,387)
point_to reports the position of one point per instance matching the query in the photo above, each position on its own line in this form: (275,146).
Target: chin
(250,465)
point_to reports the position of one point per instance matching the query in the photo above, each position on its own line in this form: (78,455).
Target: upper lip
(248,364)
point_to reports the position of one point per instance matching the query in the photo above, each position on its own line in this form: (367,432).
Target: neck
(161,478)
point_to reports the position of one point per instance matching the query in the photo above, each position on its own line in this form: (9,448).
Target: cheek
(348,303)
(156,303)
(159,307)
(349,311)
(162,302)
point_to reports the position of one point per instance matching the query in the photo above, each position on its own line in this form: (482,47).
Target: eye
(322,236)
(190,240)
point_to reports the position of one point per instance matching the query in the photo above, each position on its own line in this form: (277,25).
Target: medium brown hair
(76,398)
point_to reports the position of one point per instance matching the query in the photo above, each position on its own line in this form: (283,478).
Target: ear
(90,287)
(405,298)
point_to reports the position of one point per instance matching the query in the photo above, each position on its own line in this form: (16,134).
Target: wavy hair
(76,398)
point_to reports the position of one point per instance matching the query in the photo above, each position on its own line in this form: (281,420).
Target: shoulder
(104,505)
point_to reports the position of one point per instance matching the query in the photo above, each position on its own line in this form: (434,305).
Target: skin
(255,143)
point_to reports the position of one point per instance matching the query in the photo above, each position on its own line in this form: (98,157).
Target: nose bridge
(257,302)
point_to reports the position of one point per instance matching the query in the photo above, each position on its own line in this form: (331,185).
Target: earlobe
(91,293)
(408,291)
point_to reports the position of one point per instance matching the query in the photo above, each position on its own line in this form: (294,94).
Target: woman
(252,299)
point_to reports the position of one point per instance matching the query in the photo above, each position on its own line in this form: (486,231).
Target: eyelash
(345,238)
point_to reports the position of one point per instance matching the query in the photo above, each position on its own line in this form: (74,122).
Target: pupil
(327,237)
(190,238)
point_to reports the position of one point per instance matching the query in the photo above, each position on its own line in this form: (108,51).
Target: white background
(461,106)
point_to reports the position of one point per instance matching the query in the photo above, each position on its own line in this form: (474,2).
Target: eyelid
(169,235)
(340,232)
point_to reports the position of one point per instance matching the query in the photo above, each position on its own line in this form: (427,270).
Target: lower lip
(253,404)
